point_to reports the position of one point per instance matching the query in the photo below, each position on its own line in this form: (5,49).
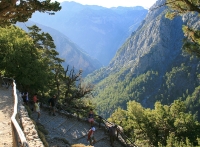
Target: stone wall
(28,126)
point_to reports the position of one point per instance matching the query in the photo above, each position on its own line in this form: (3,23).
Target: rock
(33,132)
(29,137)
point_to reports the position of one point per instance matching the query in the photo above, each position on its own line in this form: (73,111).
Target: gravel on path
(6,110)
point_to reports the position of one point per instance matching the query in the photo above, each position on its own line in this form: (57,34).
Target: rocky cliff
(150,66)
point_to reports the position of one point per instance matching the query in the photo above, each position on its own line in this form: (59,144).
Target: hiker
(52,103)
(35,98)
(25,98)
(112,133)
(91,117)
(37,109)
(91,138)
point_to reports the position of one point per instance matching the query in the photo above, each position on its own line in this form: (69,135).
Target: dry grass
(43,138)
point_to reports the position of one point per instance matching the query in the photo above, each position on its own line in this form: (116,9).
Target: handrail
(15,123)
(118,131)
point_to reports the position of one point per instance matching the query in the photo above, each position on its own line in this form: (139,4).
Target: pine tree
(180,7)
(21,10)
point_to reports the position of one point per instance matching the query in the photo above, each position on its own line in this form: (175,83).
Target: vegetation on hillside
(179,81)
(31,59)
(116,91)
(169,126)
(193,102)
(175,124)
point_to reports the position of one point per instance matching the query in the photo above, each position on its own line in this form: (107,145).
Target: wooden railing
(16,126)
(19,139)
(120,135)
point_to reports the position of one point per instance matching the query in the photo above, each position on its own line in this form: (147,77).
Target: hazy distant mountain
(149,66)
(69,51)
(99,31)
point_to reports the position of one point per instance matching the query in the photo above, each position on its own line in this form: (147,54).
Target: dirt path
(6,110)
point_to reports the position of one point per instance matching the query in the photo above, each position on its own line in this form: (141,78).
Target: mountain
(99,31)
(150,66)
(73,55)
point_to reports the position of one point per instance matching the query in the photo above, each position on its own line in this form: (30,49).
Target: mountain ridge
(97,30)
(150,66)
(73,55)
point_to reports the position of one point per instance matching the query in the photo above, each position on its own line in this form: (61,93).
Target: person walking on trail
(37,109)
(91,117)
(112,130)
(91,138)
(25,98)
(52,103)
(35,99)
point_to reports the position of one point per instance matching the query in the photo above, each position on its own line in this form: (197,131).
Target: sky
(115,3)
